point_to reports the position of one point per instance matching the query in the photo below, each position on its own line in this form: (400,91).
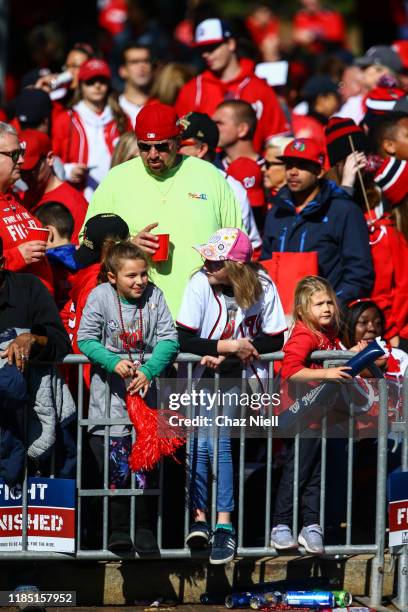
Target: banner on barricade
(51,515)
(398,509)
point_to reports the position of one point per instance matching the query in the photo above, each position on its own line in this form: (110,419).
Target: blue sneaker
(224,546)
(198,536)
(282,538)
(311,537)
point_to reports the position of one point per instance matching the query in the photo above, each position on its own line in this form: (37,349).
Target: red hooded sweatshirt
(15,222)
(206,91)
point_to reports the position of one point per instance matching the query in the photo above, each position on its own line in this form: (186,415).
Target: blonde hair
(125,149)
(245,282)
(168,82)
(305,289)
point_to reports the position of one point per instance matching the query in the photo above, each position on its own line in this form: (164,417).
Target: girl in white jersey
(230,313)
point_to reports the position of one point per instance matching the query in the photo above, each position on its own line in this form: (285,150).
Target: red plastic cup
(38,233)
(162,253)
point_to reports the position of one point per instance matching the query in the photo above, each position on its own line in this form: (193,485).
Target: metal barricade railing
(376,547)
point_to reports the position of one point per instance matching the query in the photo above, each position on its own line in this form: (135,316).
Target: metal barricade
(376,547)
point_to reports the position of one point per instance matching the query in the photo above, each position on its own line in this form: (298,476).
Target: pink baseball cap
(228,243)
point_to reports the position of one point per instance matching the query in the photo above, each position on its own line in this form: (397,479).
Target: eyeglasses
(161,147)
(269,164)
(15,155)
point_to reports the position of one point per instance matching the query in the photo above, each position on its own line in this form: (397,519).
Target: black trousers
(309,483)
(119,507)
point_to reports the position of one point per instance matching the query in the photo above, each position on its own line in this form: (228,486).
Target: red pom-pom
(155,438)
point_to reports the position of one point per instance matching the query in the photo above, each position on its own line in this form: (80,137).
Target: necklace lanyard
(139,341)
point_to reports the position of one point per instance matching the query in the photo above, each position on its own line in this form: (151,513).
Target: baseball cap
(392,178)
(157,121)
(96,230)
(94,68)
(319,84)
(201,127)
(303,148)
(401,47)
(249,174)
(229,243)
(36,145)
(382,55)
(212,32)
(32,106)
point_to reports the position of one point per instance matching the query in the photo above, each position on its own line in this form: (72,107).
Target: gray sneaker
(311,537)
(282,538)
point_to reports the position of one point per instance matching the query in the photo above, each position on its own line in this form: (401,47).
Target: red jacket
(82,284)
(205,92)
(389,251)
(15,221)
(69,140)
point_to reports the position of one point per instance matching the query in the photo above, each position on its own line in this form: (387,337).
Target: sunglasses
(269,164)
(15,155)
(161,147)
(214,266)
(210,47)
(97,79)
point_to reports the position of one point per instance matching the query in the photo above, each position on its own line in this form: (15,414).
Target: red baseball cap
(36,145)
(303,148)
(157,122)
(249,174)
(94,68)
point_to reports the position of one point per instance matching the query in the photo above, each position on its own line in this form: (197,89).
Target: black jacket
(26,303)
(334,226)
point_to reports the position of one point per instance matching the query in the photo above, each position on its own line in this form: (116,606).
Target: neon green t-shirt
(191,202)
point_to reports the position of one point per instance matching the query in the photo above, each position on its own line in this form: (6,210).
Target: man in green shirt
(184,197)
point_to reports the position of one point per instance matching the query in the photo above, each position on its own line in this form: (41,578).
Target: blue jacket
(13,394)
(334,226)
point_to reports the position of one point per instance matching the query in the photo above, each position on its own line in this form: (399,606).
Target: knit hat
(157,122)
(338,132)
(227,243)
(303,148)
(94,68)
(249,174)
(383,99)
(392,178)
(37,145)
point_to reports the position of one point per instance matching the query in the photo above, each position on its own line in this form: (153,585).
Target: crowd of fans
(307,179)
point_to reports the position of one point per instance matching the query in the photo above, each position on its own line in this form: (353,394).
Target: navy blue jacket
(334,226)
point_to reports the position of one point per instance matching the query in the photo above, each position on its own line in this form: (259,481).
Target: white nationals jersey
(204,311)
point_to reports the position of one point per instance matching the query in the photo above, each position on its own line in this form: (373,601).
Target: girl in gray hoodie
(125,315)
